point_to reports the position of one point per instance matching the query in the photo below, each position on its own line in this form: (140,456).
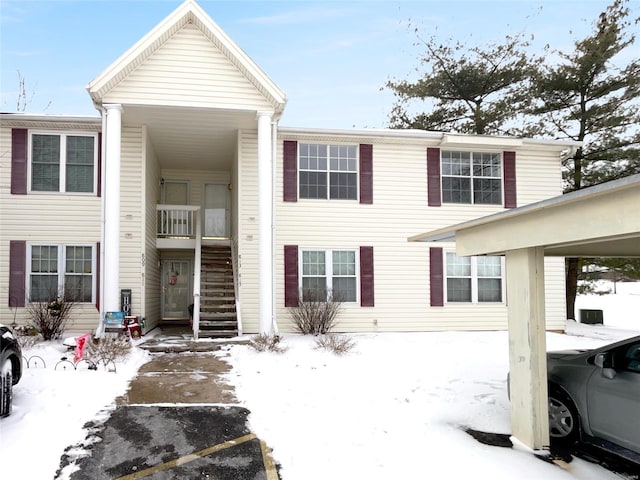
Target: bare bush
(107,349)
(27,335)
(338,344)
(316,312)
(50,316)
(267,343)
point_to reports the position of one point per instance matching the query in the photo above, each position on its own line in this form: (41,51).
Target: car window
(631,360)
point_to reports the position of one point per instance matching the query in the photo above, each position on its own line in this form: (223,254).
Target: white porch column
(527,347)
(265,211)
(111,276)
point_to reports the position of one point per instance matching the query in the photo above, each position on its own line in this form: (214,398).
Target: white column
(265,211)
(527,347)
(111,272)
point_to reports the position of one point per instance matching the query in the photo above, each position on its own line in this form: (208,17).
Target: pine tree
(474,89)
(590,97)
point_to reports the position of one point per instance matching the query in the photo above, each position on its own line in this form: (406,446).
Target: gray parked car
(594,397)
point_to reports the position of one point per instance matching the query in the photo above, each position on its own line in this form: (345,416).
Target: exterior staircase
(218,317)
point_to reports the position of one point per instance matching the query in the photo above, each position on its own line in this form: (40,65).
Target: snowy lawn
(395,407)
(50,407)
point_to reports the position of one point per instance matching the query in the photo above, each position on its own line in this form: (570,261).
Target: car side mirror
(603,361)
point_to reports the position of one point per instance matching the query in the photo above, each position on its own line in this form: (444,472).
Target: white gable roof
(187,13)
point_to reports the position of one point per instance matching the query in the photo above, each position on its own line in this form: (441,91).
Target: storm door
(175,192)
(217,201)
(177,281)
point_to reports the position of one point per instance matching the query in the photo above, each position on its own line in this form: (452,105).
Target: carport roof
(599,221)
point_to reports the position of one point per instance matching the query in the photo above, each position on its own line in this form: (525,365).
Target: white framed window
(328,171)
(63,162)
(329,272)
(474,279)
(56,269)
(471,177)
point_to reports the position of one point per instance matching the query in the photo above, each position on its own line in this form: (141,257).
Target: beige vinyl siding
(151,280)
(188,70)
(132,214)
(554,285)
(247,241)
(538,176)
(51,218)
(399,210)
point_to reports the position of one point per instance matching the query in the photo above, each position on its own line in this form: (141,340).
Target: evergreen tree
(474,89)
(590,97)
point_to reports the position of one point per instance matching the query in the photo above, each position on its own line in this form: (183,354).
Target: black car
(10,368)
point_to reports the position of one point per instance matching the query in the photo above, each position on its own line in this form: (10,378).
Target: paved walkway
(178,420)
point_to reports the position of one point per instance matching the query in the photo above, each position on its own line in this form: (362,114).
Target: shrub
(338,344)
(107,349)
(51,315)
(316,312)
(267,343)
(27,335)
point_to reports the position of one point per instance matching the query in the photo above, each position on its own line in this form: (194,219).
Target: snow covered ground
(393,408)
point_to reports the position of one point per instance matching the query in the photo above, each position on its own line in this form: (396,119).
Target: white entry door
(217,202)
(177,280)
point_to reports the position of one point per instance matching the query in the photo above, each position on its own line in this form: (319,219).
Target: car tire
(564,421)
(6,387)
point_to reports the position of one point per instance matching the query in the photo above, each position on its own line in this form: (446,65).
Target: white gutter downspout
(274,153)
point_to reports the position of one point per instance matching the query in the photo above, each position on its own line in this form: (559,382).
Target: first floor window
(473,279)
(44,273)
(78,278)
(61,271)
(63,162)
(328,171)
(329,274)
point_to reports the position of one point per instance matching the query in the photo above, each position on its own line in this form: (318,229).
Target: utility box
(591,317)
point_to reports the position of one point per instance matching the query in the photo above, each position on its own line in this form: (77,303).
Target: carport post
(527,346)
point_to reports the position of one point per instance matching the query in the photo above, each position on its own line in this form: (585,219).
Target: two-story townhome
(186,198)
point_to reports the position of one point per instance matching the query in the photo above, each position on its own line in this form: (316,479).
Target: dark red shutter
(290,171)
(436,277)
(433,177)
(291,276)
(97,276)
(509,165)
(366,173)
(19,142)
(99,169)
(17,272)
(366,277)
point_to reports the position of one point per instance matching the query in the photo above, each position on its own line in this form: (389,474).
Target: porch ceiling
(194,139)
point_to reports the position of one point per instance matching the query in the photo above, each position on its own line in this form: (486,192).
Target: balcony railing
(177,221)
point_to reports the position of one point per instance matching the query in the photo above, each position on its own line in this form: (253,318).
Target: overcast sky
(330,58)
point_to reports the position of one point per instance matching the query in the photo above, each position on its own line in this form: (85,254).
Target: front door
(177,280)
(217,200)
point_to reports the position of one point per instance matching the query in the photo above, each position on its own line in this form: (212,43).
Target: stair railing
(196,279)
(236,296)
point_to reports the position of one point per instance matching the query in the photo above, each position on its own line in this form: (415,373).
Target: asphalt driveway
(169,442)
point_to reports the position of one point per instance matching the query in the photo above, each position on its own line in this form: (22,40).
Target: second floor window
(63,162)
(328,171)
(471,177)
